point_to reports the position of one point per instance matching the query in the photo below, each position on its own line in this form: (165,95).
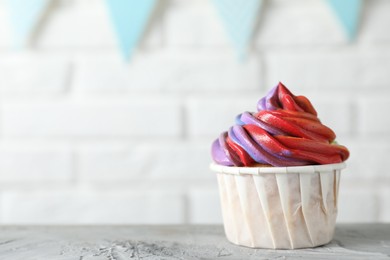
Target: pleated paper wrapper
(279,207)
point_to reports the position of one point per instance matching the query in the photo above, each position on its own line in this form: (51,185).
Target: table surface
(352,241)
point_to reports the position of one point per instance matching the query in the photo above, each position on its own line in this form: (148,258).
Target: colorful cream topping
(284,132)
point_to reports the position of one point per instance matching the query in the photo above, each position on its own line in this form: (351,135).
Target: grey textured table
(358,241)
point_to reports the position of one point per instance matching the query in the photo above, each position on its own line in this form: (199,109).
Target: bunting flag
(130,18)
(24,16)
(240,19)
(348,12)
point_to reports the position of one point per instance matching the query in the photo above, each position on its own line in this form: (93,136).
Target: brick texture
(35,164)
(208,117)
(205,206)
(27,74)
(320,70)
(370,120)
(374,18)
(194,25)
(162,161)
(88,207)
(116,118)
(82,25)
(167,71)
(367,161)
(306,23)
(86,137)
(6,40)
(349,211)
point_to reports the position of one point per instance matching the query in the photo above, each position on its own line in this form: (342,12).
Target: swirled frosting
(285,131)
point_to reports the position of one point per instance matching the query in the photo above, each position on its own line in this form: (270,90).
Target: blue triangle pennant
(240,19)
(24,16)
(348,12)
(130,18)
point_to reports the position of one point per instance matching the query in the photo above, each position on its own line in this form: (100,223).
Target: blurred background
(87,138)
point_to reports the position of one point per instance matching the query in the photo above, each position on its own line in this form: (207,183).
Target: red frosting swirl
(284,132)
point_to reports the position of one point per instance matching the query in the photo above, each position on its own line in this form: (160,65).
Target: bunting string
(131,17)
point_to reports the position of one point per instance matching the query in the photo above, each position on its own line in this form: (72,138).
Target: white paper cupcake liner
(279,207)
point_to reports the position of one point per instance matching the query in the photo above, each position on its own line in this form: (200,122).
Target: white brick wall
(107,118)
(71,25)
(109,74)
(347,69)
(371,121)
(368,160)
(357,205)
(146,161)
(194,24)
(27,74)
(5,40)
(376,18)
(294,29)
(91,207)
(88,138)
(204,206)
(34,164)
(208,117)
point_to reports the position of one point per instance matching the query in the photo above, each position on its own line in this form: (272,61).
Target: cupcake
(278,172)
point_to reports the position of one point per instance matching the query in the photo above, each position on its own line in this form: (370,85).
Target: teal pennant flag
(130,18)
(239,18)
(348,12)
(24,16)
